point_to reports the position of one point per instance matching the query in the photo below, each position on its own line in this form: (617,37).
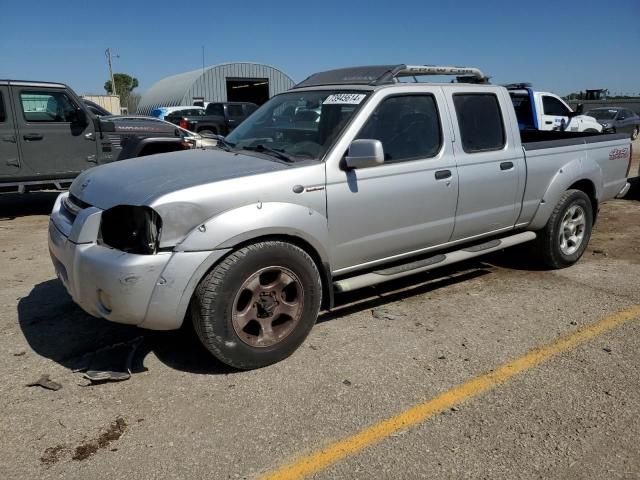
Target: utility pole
(113,83)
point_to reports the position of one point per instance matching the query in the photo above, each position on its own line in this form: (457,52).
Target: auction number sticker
(344,99)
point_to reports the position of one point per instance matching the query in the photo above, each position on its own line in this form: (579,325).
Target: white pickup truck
(547,111)
(248,240)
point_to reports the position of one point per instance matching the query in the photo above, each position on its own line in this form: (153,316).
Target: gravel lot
(383,350)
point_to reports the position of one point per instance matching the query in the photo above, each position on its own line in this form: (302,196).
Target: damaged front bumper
(151,291)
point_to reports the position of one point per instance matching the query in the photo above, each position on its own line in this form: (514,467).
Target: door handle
(33,136)
(506,165)
(548,122)
(443,174)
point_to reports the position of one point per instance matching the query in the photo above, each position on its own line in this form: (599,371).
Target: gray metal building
(227,82)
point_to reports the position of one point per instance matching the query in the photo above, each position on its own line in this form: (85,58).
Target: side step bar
(439,260)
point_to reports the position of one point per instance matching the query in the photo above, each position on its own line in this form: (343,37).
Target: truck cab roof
(30,83)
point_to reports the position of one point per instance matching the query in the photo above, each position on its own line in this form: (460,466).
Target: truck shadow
(57,329)
(634,191)
(14,205)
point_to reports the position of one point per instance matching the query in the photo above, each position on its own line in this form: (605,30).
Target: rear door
(51,141)
(9,155)
(490,161)
(235,115)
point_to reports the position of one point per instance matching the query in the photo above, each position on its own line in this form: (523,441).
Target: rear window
(480,121)
(3,115)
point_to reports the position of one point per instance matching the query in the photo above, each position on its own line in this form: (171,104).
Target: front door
(9,155)
(404,205)
(53,143)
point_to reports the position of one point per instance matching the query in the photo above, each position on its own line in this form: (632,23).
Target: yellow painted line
(341,449)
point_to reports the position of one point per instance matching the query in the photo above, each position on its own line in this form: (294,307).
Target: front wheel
(258,305)
(564,239)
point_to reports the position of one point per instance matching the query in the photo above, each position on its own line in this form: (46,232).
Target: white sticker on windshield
(344,99)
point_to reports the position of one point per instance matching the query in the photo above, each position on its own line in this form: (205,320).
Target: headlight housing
(131,228)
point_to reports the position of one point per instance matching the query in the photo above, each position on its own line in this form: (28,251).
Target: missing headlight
(132,229)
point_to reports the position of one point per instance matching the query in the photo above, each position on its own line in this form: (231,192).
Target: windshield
(300,124)
(602,114)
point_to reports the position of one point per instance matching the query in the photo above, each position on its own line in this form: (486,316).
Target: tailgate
(612,153)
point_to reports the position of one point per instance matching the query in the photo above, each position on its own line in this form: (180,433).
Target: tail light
(184,124)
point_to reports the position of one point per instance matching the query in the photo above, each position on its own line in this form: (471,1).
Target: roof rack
(517,86)
(385,74)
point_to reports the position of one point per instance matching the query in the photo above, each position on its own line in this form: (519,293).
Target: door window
(3,115)
(235,111)
(215,109)
(480,122)
(553,106)
(408,127)
(47,106)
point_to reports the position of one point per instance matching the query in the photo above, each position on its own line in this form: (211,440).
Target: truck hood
(138,181)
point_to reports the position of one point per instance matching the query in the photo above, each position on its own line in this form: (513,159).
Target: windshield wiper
(223,144)
(271,151)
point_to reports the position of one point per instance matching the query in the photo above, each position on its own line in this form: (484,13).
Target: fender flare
(239,225)
(577,170)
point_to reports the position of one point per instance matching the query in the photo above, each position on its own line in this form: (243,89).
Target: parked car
(97,110)
(219,118)
(162,112)
(617,119)
(196,139)
(178,116)
(547,111)
(249,240)
(48,136)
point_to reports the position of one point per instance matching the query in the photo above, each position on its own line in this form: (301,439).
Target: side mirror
(78,116)
(580,108)
(364,153)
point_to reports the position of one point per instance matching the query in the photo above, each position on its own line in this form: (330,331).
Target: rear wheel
(258,305)
(564,239)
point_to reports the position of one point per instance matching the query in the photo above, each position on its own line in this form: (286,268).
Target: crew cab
(48,135)
(248,241)
(547,111)
(219,118)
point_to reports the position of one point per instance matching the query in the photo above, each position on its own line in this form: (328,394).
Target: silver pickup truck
(352,178)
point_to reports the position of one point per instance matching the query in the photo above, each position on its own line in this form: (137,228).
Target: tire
(635,132)
(591,130)
(258,305)
(207,131)
(553,247)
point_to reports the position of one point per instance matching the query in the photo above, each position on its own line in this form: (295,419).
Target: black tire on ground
(635,132)
(237,279)
(549,245)
(591,130)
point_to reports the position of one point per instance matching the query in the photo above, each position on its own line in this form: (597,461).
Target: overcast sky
(561,46)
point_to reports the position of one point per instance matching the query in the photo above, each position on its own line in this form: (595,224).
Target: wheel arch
(588,187)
